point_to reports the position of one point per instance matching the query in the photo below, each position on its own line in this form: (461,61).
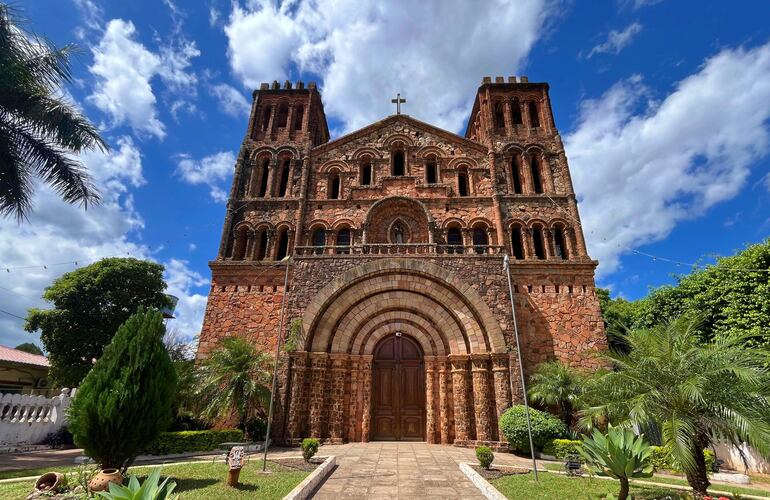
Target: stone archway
(466,379)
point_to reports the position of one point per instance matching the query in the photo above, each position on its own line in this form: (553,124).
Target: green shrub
(124,402)
(151,489)
(485,456)
(309,448)
(185,441)
(545,427)
(662,459)
(255,429)
(562,448)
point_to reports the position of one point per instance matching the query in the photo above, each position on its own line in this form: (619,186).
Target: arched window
(283,245)
(463,186)
(534,116)
(266,117)
(516,174)
(538,242)
(264,174)
(282,190)
(537,182)
(261,250)
(398,163)
(454,238)
(517,245)
(431,171)
(516,112)
(299,114)
(560,243)
(480,239)
(319,240)
(366,172)
(343,240)
(499,117)
(283,115)
(240,243)
(334,186)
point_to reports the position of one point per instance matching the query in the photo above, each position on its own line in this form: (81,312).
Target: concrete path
(390,470)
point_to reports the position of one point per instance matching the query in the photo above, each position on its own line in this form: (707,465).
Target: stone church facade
(395,236)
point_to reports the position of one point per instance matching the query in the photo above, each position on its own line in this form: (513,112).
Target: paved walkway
(390,470)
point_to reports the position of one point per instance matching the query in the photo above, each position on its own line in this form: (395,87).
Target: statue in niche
(397,233)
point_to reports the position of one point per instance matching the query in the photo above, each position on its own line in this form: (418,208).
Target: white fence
(26,419)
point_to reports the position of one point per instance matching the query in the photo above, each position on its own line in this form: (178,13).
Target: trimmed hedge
(562,448)
(662,459)
(185,441)
(545,427)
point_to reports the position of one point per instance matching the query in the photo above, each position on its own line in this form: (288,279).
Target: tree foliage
(89,304)
(545,427)
(124,403)
(696,393)
(234,382)
(557,385)
(30,348)
(39,129)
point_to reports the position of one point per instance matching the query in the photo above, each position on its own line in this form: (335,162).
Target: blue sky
(663,106)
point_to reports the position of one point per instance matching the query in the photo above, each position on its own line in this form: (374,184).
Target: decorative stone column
(502,383)
(355,395)
(526,171)
(445,401)
(298,402)
(365,372)
(318,362)
(482,398)
(337,393)
(460,391)
(430,400)
(548,243)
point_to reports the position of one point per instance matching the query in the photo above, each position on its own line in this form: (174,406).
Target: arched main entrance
(398,390)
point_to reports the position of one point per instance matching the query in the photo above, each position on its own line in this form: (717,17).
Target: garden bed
(206,480)
(498,471)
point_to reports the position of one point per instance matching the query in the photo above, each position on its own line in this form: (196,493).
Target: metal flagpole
(286,259)
(507,268)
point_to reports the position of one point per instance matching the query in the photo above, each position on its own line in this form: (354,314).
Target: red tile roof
(15,356)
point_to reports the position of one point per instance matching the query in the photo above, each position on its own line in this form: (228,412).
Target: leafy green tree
(234,382)
(30,348)
(620,454)
(695,393)
(39,129)
(555,384)
(731,297)
(124,403)
(545,427)
(89,304)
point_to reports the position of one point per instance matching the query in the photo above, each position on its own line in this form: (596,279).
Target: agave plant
(620,454)
(149,490)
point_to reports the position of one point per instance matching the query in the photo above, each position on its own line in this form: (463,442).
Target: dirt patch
(497,472)
(297,463)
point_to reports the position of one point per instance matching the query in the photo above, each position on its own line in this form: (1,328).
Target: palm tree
(697,394)
(555,384)
(234,381)
(39,129)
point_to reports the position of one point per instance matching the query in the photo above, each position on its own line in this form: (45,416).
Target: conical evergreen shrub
(125,400)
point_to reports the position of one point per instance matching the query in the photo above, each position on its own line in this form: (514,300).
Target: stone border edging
(484,486)
(306,488)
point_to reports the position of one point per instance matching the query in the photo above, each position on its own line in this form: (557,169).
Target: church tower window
(431,171)
(534,117)
(283,245)
(282,190)
(454,238)
(517,245)
(343,240)
(537,182)
(560,243)
(516,112)
(283,115)
(334,186)
(266,118)
(516,174)
(463,186)
(319,239)
(299,113)
(499,117)
(480,239)
(263,178)
(538,243)
(366,172)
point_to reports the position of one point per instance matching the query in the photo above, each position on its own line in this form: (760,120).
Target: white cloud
(639,173)
(182,282)
(124,68)
(213,16)
(211,170)
(638,4)
(231,100)
(434,53)
(616,40)
(91,12)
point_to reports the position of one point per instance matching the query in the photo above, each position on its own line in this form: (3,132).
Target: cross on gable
(398,101)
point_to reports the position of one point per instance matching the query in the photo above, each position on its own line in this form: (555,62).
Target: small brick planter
(306,488)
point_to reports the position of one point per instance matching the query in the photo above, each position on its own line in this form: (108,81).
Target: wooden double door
(398,390)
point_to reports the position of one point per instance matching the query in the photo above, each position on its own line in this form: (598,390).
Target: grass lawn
(714,486)
(206,481)
(555,486)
